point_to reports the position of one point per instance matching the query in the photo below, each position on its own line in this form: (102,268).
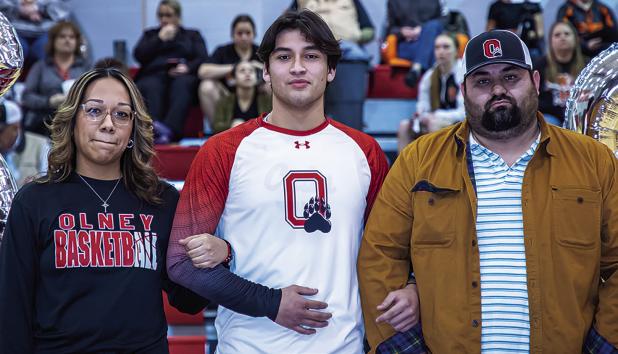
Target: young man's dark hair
(311,26)
(242,18)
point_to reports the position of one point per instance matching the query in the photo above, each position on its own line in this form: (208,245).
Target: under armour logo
(297,144)
(492,48)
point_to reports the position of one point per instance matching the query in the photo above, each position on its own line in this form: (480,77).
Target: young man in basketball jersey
(290,191)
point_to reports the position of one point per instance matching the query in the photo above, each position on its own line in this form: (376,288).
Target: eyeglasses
(165,14)
(96,112)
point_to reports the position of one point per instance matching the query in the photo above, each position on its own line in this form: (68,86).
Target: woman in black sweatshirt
(82,262)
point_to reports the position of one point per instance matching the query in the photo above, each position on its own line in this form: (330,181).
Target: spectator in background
(10,122)
(50,78)
(595,24)
(349,22)
(559,69)
(524,18)
(440,101)
(455,22)
(29,157)
(24,152)
(169,56)
(32,20)
(245,103)
(416,24)
(217,70)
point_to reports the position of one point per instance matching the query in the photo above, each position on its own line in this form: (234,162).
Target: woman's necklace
(104,205)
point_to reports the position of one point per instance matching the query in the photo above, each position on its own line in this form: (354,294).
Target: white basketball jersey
(294,212)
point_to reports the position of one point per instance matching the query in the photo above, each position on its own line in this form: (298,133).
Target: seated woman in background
(169,56)
(559,68)
(218,69)
(440,101)
(49,79)
(245,103)
(82,262)
(25,153)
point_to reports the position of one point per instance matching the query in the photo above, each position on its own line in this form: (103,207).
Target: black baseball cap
(497,46)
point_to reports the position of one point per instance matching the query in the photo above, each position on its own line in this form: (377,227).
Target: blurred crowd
(176,71)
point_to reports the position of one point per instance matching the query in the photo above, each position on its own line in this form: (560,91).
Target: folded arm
(384,261)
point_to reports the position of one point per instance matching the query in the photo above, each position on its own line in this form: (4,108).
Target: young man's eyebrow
(285,49)
(282,49)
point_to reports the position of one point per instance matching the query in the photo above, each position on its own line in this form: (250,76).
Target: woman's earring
(130,144)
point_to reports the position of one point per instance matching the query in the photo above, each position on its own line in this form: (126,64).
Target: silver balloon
(8,188)
(592,107)
(11,55)
(11,62)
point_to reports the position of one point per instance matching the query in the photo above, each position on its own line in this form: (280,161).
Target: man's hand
(299,314)
(402,308)
(167,32)
(205,250)
(410,33)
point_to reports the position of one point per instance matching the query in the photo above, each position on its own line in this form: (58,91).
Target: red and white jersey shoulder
(292,205)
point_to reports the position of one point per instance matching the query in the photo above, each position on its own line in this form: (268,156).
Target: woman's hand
(205,250)
(168,32)
(179,69)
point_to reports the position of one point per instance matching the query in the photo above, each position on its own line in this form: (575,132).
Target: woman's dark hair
(313,28)
(54,32)
(452,36)
(258,72)
(242,18)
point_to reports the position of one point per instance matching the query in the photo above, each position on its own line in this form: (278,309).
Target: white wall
(107,20)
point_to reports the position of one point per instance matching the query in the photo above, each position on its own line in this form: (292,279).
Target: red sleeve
(199,209)
(204,193)
(375,158)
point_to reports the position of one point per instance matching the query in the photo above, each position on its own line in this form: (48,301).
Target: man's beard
(502,118)
(504,122)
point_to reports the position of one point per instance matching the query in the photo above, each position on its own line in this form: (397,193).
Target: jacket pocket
(435,212)
(576,216)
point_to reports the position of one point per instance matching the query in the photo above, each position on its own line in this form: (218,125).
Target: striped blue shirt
(505,324)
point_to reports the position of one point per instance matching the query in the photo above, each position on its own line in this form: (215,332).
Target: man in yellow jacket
(508,225)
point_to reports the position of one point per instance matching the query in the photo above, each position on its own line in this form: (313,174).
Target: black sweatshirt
(153,54)
(74,279)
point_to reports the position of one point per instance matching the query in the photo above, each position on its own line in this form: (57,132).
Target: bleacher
(189,334)
(388,101)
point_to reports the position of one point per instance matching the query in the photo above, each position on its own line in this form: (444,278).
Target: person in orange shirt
(595,23)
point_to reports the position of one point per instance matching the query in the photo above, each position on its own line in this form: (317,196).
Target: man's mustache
(499,98)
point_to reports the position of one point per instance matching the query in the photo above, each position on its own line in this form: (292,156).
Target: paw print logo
(317,215)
